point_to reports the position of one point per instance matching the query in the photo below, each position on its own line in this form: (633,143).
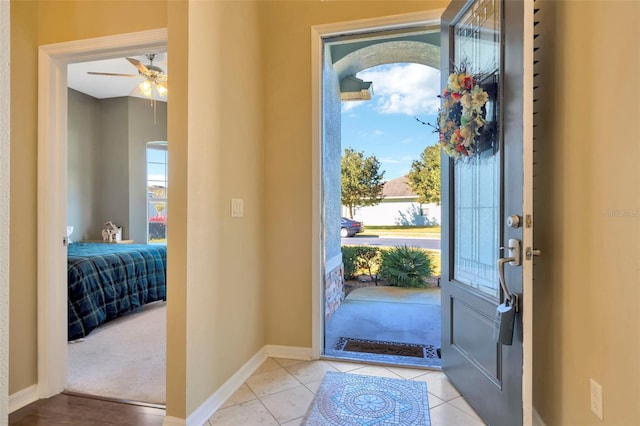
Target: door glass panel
(476,205)
(477,37)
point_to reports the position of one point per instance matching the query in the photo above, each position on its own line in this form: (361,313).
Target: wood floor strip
(70,410)
(119,401)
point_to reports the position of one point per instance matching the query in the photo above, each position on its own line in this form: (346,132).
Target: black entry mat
(386,348)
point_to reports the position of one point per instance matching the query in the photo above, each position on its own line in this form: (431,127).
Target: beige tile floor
(280,391)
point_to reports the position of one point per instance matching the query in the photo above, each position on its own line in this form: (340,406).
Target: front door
(487,208)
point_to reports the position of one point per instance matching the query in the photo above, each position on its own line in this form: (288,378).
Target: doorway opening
(117,179)
(487,369)
(53,193)
(379,321)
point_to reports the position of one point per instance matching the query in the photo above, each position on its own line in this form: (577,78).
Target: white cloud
(157,177)
(370,134)
(395,160)
(348,106)
(405,171)
(389,160)
(410,89)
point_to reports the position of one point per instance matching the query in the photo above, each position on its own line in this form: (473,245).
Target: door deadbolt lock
(513,221)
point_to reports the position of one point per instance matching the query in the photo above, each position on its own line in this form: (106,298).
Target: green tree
(424,176)
(361,181)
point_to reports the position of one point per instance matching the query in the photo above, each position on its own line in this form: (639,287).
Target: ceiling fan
(154,76)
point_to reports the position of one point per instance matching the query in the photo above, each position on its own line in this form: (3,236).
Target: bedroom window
(157,185)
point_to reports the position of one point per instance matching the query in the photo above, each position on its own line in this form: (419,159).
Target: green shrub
(349,260)
(406,267)
(368,260)
(361,259)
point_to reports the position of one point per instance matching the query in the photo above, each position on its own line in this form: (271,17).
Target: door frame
(52,188)
(318,33)
(317,231)
(525,40)
(529,413)
(5,101)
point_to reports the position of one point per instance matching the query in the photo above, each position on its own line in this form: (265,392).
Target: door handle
(513,258)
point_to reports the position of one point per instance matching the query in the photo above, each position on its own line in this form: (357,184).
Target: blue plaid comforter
(108,280)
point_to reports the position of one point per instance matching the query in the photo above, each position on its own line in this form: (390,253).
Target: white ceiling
(101,87)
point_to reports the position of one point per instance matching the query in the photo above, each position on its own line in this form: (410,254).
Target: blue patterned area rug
(353,400)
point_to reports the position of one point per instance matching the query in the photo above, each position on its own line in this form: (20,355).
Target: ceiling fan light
(162,91)
(145,88)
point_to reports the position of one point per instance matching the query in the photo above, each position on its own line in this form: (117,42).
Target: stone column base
(333,290)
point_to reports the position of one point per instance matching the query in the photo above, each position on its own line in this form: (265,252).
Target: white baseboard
(208,408)
(23,398)
(289,352)
(203,413)
(537,420)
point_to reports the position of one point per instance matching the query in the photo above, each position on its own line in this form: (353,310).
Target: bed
(106,281)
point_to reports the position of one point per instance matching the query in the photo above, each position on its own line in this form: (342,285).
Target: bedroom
(117,162)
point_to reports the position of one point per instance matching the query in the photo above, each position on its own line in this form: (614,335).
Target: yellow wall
(178,135)
(23,209)
(241,129)
(60,21)
(217,145)
(225,289)
(215,142)
(248,280)
(588,214)
(286,47)
(32,24)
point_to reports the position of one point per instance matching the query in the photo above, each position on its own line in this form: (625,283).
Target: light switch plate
(237,207)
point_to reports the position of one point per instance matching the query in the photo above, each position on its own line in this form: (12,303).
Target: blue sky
(385,126)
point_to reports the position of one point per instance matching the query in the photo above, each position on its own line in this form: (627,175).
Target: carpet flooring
(354,400)
(124,359)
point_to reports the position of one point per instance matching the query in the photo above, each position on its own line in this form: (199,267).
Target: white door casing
(318,33)
(52,188)
(527,206)
(4,201)
(430,17)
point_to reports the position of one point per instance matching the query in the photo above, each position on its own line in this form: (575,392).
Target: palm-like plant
(406,267)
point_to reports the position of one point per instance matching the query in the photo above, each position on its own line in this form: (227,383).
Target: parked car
(349,228)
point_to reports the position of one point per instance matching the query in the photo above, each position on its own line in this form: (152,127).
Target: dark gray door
(484,202)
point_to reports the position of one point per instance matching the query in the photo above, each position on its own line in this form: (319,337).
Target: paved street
(363,240)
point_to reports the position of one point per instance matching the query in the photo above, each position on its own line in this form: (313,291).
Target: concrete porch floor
(389,314)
